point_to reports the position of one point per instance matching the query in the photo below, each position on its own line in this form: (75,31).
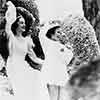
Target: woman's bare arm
(10,17)
(31,53)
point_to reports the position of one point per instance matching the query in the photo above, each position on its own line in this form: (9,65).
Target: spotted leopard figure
(77,31)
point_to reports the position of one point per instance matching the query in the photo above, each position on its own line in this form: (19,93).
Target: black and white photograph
(49,49)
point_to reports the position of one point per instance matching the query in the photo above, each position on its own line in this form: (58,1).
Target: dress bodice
(18,48)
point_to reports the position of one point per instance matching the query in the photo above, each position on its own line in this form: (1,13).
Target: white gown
(55,65)
(24,79)
(54,70)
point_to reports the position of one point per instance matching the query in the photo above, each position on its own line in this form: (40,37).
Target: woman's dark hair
(15,25)
(29,20)
(51,32)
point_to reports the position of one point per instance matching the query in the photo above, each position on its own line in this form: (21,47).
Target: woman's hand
(11,13)
(40,61)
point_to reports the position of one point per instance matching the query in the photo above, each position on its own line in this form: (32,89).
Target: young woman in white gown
(23,78)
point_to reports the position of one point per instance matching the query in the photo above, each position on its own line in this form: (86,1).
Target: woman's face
(55,35)
(21,25)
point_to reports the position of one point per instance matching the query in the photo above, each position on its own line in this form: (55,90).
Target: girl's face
(21,25)
(55,36)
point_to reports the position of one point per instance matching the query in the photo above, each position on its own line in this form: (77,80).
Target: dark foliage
(86,73)
(30,5)
(90,9)
(4,45)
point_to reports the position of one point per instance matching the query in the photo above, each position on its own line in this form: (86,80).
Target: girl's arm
(31,53)
(10,17)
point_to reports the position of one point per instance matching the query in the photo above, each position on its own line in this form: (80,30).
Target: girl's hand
(41,62)
(39,66)
(11,13)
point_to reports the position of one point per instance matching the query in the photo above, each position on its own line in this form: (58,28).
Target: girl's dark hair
(51,32)
(15,25)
